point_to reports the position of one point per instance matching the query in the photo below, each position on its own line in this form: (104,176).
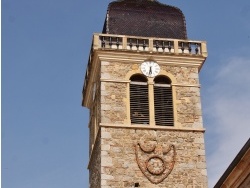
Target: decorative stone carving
(156,161)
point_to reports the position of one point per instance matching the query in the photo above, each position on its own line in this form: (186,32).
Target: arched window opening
(138,78)
(139,105)
(162,80)
(163,101)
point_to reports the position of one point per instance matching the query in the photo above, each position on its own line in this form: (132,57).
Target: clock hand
(150,70)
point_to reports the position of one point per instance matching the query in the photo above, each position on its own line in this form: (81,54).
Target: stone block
(204,172)
(103,87)
(200,152)
(200,165)
(107,177)
(105,76)
(103,182)
(197,125)
(104,153)
(106,161)
(105,107)
(105,135)
(103,63)
(199,140)
(105,147)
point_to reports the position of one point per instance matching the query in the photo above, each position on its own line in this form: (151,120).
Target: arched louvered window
(139,105)
(163,101)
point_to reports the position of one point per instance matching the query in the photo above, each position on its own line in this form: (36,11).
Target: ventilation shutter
(163,105)
(139,107)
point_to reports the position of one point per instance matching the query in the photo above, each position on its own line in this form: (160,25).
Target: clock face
(150,68)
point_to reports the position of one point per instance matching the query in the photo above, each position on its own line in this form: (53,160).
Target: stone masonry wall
(113,103)
(119,167)
(117,164)
(114,99)
(95,165)
(188,106)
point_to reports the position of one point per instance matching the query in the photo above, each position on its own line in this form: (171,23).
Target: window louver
(163,105)
(139,107)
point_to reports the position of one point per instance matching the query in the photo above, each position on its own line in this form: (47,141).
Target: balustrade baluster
(137,44)
(144,44)
(182,47)
(169,46)
(130,44)
(196,48)
(189,47)
(117,42)
(157,45)
(163,46)
(103,42)
(110,42)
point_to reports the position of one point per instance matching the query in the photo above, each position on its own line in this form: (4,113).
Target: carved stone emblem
(155,161)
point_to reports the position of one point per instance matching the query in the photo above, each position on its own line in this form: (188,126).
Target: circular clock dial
(150,68)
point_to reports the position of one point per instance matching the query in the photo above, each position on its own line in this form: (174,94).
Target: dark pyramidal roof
(146,18)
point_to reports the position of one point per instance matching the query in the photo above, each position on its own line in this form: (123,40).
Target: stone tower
(142,89)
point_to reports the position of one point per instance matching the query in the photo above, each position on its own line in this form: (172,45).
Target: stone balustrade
(149,44)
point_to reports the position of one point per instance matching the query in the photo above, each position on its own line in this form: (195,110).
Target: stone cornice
(128,81)
(170,128)
(126,56)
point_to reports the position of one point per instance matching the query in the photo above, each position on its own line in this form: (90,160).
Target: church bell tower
(142,90)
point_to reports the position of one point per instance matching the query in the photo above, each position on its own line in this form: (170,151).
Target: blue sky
(45,48)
